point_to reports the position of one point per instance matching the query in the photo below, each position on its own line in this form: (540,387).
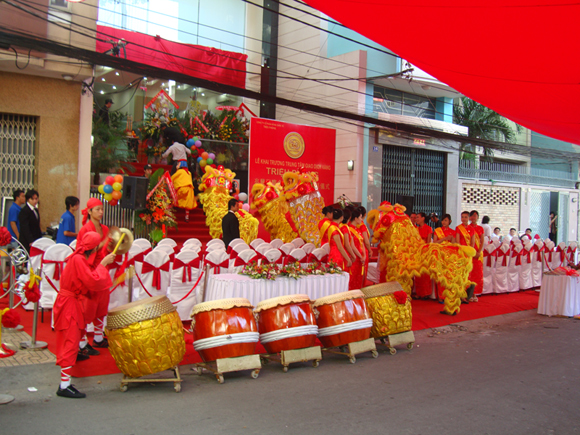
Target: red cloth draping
(58,266)
(148,267)
(505,70)
(226,67)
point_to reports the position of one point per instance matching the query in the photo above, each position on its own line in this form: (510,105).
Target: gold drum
(145,336)
(389,316)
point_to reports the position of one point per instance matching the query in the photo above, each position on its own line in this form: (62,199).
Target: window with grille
(17,152)
(401,103)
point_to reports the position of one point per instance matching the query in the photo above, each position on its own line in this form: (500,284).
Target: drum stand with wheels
(226,365)
(390,341)
(354,348)
(176,380)
(287,357)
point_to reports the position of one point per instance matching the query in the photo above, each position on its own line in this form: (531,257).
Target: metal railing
(523,174)
(121,217)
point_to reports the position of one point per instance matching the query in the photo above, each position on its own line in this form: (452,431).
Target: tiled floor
(22,357)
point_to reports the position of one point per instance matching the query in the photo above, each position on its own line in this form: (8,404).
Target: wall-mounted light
(67,77)
(574,199)
(350,165)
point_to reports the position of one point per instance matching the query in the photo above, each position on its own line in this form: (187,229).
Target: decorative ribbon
(528,254)
(189,292)
(489,256)
(562,254)
(48,280)
(505,255)
(241,262)
(35,252)
(148,267)
(570,252)
(216,266)
(518,256)
(58,266)
(186,275)
(539,252)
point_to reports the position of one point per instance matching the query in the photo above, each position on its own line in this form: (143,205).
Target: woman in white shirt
(486,228)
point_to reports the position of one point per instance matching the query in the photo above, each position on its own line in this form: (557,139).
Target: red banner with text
(278,147)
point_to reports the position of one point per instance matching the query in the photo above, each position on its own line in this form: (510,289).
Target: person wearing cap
(81,276)
(148,170)
(435,220)
(96,306)
(104,112)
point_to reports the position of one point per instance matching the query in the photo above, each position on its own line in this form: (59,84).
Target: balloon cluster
(111,189)
(203,157)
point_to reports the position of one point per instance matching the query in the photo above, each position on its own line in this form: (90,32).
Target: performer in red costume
(82,276)
(464,236)
(423,286)
(96,307)
(477,272)
(357,269)
(324,224)
(335,236)
(358,219)
(446,235)
(347,237)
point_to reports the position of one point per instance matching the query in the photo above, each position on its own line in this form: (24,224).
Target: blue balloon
(199,159)
(197,143)
(107,188)
(189,143)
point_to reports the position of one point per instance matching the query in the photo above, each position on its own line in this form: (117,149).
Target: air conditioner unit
(224,98)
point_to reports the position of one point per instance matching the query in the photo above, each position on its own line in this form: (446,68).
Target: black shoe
(71,392)
(90,350)
(103,343)
(83,355)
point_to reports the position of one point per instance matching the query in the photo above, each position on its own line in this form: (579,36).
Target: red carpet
(425,315)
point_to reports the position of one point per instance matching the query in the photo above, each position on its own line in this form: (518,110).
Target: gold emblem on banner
(294,145)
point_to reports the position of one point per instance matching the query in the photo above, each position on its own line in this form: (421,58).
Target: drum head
(139,311)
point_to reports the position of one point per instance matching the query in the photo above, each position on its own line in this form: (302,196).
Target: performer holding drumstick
(81,276)
(95,306)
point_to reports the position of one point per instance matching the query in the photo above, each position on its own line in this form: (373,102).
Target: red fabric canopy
(517,57)
(208,63)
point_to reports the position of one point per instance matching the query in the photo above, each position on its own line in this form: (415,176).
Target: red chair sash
(35,252)
(186,275)
(58,266)
(241,262)
(505,256)
(518,256)
(489,256)
(562,253)
(148,267)
(137,258)
(528,254)
(216,266)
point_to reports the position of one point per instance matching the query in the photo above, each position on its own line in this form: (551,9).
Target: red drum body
(343,318)
(286,323)
(225,328)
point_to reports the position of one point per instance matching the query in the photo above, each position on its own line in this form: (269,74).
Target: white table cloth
(255,290)
(559,295)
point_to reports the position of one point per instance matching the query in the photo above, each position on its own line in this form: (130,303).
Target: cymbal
(115,235)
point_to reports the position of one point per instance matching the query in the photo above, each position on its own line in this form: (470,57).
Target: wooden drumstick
(119,243)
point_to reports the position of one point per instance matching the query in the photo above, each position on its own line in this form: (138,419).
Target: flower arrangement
(292,270)
(159,213)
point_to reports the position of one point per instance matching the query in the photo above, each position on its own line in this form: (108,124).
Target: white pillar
(85,145)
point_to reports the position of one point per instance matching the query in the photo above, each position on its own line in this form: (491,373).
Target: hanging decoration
(111,189)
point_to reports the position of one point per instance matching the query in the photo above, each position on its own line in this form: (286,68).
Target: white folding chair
(488,268)
(37,250)
(167,242)
(52,267)
(218,260)
(525,277)
(537,263)
(321,255)
(235,242)
(256,242)
(215,247)
(272,256)
(153,275)
(184,275)
(73,244)
(214,242)
(167,249)
(500,274)
(119,294)
(297,254)
(298,242)
(559,257)
(514,268)
(143,243)
(326,247)
(286,248)
(193,242)
(308,248)
(276,243)
(245,257)
(193,248)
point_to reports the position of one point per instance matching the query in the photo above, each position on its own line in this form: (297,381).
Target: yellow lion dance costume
(273,208)
(215,193)
(404,255)
(305,202)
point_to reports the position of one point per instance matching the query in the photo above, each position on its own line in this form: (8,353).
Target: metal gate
(417,173)
(17,152)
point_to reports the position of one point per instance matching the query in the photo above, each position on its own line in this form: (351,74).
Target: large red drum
(343,318)
(286,323)
(224,328)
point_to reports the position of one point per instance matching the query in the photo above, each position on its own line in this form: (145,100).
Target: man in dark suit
(230,223)
(29,220)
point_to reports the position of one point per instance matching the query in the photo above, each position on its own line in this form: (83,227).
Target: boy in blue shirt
(67,225)
(14,211)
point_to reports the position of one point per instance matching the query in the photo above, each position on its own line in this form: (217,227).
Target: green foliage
(109,149)
(483,123)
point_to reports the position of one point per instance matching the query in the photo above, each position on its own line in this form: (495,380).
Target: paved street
(512,374)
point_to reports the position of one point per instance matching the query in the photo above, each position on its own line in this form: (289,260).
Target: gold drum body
(145,336)
(389,317)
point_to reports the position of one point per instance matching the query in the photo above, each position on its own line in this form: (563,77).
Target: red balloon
(236,196)
(110,180)
(113,202)
(213,165)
